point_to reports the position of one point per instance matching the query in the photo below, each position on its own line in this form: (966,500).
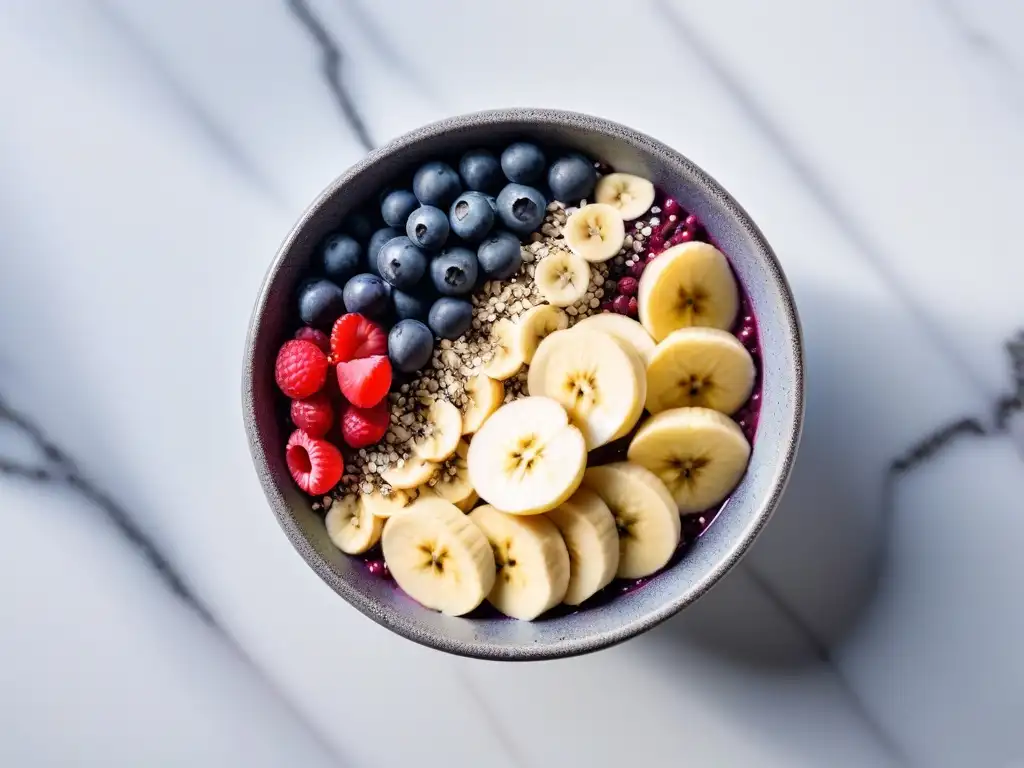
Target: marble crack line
(331,62)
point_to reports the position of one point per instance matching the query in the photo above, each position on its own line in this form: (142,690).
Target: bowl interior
(707,560)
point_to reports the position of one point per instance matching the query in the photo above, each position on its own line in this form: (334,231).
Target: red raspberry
(621,305)
(314,415)
(315,464)
(354,337)
(365,426)
(366,381)
(634,307)
(301,368)
(627,286)
(316,336)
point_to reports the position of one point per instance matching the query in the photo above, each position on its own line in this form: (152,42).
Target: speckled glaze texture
(719,549)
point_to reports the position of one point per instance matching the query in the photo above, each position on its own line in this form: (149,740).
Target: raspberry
(364,426)
(620,304)
(314,415)
(315,464)
(627,286)
(638,268)
(634,307)
(354,337)
(301,368)
(366,381)
(317,337)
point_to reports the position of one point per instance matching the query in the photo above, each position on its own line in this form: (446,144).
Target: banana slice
(507,359)
(702,367)
(623,329)
(631,195)
(689,284)
(532,563)
(699,454)
(413,472)
(438,557)
(527,458)
(646,518)
(441,433)
(484,396)
(453,480)
(562,277)
(536,324)
(595,232)
(352,526)
(640,372)
(385,506)
(594,378)
(588,530)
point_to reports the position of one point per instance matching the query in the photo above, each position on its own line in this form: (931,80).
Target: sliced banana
(438,557)
(527,458)
(535,325)
(594,378)
(484,396)
(640,372)
(453,480)
(646,518)
(410,473)
(385,506)
(595,232)
(624,329)
(532,563)
(588,530)
(562,277)
(352,526)
(441,433)
(699,454)
(702,367)
(689,284)
(631,195)
(507,359)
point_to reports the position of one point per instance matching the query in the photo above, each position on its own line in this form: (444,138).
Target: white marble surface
(154,154)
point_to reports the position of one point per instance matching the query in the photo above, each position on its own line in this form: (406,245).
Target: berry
(320,303)
(637,268)
(436,184)
(317,337)
(691,221)
(410,306)
(410,345)
(521,208)
(316,466)
(746,335)
(471,216)
(606,306)
(500,255)
(361,427)
(427,228)
(627,286)
(671,208)
(368,295)
(481,171)
(523,162)
(301,368)
(572,178)
(620,304)
(365,381)
(634,307)
(341,256)
(377,241)
(450,318)
(313,415)
(353,337)
(454,272)
(401,263)
(396,207)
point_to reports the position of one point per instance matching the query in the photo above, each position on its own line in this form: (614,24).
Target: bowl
(720,547)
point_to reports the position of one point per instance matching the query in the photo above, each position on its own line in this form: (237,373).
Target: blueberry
(341,256)
(500,255)
(321,302)
(481,171)
(571,178)
(493,202)
(471,216)
(410,305)
(396,207)
(359,226)
(521,208)
(428,228)
(401,263)
(523,162)
(436,184)
(368,295)
(380,237)
(450,318)
(410,345)
(454,271)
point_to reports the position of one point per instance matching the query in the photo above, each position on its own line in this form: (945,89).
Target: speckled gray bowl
(718,550)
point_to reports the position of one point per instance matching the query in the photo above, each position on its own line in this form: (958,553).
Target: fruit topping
(352,525)
(571,178)
(397,206)
(301,368)
(454,271)
(481,171)
(523,163)
(365,381)
(314,415)
(521,208)
(436,184)
(368,295)
(316,336)
(315,464)
(410,345)
(630,195)
(500,255)
(595,232)
(354,336)
(427,228)
(320,303)
(361,427)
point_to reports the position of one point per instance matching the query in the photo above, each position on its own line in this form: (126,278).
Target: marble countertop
(154,154)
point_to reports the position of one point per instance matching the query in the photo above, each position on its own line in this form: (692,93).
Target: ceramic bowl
(706,561)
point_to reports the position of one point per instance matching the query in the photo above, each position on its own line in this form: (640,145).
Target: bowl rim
(590,641)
